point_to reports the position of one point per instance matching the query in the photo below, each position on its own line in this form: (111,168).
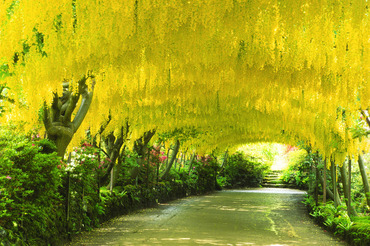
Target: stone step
(271,177)
(272,180)
(268,185)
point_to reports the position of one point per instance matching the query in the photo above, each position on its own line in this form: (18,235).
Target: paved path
(265,216)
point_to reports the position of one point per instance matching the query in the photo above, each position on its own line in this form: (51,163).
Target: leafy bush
(360,231)
(81,177)
(242,172)
(29,197)
(298,169)
(204,171)
(355,230)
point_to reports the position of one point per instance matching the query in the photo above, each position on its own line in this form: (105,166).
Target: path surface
(265,216)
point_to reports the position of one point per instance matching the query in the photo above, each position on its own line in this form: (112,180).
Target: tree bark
(324,186)
(350,182)
(141,148)
(316,169)
(326,189)
(113,145)
(191,162)
(350,210)
(57,119)
(224,162)
(171,161)
(333,169)
(365,179)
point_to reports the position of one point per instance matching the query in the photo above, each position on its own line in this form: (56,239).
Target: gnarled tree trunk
(58,122)
(141,148)
(171,161)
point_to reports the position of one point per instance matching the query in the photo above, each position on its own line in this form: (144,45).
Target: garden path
(263,216)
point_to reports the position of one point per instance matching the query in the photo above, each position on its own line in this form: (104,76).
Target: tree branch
(114,144)
(85,104)
(55,108)
(46,117)
(364,113)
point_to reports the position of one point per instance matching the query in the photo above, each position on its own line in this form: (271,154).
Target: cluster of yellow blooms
(241,70)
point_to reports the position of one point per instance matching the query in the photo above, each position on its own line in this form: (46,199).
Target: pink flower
(33,144)
(8,177)
(59,166)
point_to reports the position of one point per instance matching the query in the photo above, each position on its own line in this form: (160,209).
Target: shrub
(82,179)
(29,181)
(242,172)
(298,170)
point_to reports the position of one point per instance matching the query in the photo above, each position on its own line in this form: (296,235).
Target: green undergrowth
(354,230)
(46,201)
(242,171)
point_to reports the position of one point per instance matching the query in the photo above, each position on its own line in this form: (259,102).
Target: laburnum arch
(239,70)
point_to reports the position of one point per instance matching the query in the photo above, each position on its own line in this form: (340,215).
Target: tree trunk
(191,162)
(141,148)
(316,158)
(311,187)
(326,189)
(113,145)
(351,211)
(57,119)
(349,183)
(324,186)
(365,179)
(171,161)
(333,169)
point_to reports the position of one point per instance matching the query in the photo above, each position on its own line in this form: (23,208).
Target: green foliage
(265,152)
(204,171)
(29,181)
(182,134)
(82,178)
(360,130)
(242,172)
(4,93)
(360,230)
(297,172)
(147,171)
(356,230)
